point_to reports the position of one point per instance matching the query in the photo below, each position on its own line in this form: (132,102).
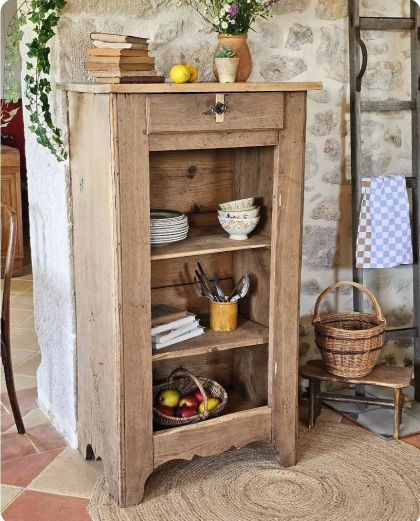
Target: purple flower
(233,10)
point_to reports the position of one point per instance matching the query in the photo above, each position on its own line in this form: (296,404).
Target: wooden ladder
(358,65)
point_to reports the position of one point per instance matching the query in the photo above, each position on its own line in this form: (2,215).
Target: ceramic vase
(239,43)
(227,69)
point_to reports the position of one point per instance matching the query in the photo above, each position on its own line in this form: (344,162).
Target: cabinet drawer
(197,112)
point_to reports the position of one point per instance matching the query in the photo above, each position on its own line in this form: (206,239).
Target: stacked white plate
(167,226)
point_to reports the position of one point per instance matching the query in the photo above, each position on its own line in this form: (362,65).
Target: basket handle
(185,372)
(360,287)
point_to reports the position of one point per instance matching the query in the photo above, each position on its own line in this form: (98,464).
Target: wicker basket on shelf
(186,383)
(350,343)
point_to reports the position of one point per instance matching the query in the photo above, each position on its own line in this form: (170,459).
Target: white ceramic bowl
(239,204)
(240,214)
(238,229)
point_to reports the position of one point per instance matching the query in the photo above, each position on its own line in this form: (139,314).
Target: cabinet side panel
(132,157)
(95,274)
(286,255)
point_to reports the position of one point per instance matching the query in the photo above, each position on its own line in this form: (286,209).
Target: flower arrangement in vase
(226,64)
(232,19)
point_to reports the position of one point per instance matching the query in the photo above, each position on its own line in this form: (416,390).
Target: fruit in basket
(169,397)
(185,412)
(188,401)
(167,411)
(212,403)
(199,396)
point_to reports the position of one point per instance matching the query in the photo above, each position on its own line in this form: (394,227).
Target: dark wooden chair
(6,355)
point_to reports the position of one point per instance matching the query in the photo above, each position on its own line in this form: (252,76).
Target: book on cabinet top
(119,45)
(118,38)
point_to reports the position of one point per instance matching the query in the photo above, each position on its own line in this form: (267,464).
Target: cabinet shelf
(206,438)
(204,241)
(247,334)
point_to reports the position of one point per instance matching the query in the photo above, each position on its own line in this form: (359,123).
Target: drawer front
(214,112)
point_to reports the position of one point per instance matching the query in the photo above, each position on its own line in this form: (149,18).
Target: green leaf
(44,15)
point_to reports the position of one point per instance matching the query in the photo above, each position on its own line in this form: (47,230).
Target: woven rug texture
(344,473)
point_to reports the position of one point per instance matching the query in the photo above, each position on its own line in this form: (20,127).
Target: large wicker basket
(185,382)
(350,343)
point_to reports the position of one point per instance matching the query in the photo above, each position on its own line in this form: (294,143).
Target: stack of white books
(171,326)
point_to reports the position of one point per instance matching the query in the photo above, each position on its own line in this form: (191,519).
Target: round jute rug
(344,474)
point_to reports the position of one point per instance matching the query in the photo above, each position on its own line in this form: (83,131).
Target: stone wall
(305,40)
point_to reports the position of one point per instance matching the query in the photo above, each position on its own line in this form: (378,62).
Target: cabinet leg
(133,496)
(398,403)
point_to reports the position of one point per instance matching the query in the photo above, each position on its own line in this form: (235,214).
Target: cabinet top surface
(167,88)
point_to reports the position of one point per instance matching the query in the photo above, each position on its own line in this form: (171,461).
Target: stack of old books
(119,58)
(171,325)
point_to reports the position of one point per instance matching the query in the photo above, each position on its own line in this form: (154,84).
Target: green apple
(170,398)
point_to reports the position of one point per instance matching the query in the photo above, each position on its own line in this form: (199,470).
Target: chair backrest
(8,269)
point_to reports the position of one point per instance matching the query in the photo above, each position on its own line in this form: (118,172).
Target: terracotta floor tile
(4,410)
(413,440)
(28,323)
(8,494)
(21,355)
(37,506)
(327,415)
(27,399)
(15,445)
(19,316)
(30,366)
(7,422)
(21,382)
(69,474)
(32,419)
(22,301)
(45,437)
(346,421)
(23,339)
(20,286)
(20,472)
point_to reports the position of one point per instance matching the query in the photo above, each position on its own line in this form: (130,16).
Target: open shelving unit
(165,148)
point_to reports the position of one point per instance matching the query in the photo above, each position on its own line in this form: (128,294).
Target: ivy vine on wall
(43,16)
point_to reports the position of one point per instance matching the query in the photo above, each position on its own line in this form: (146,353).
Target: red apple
(185,412)
(188,401)
(199,396)
(167,411)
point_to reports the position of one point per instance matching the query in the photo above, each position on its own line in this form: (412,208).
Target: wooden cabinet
(136,147)
(11,195)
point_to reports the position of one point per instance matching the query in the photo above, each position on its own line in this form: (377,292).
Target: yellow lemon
(212,403)
(180,74)
(193,73)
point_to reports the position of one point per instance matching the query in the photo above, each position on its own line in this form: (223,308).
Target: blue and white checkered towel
(384,234)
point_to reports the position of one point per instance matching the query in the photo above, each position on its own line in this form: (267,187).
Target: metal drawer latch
(219,109)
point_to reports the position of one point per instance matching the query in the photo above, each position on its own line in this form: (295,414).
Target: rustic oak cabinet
(188,148)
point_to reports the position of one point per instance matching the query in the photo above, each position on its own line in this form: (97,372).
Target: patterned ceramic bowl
(240,214)
(240,204)
(238,229)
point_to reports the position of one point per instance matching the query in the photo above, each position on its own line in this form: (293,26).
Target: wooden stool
(396,378)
